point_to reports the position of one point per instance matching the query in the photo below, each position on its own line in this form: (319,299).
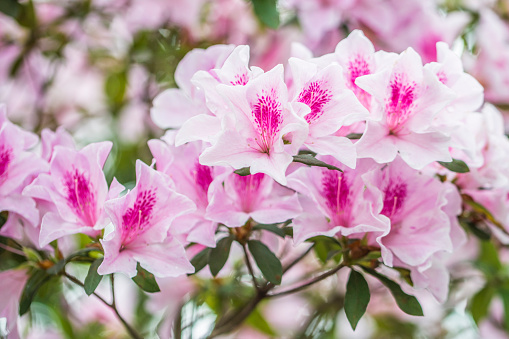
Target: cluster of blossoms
(395,156)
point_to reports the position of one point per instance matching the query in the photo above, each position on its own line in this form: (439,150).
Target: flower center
(5,159)
(358,66)
(247,188)
(268,117)
(240,79)
(336,190)
(394,197)
(136,219)
(399,106)
(316,97)
(80,196)
(203,177)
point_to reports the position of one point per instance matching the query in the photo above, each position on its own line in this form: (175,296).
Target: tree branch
(309,283)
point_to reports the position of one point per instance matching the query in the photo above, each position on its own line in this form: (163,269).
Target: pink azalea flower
(333,203)
(332,105)
(491,65)
(256,196)
(407,98)
(356,55)
(192,180)
(492,145)
(260,124)
(234,72)
(140,221)
(13,283)
(50,139)
(18,167)
(415,204)
(174,106)
(76,185)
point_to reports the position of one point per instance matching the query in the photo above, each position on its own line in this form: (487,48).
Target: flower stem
(128,327)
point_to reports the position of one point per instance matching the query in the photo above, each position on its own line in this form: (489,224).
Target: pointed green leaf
(4,215)
(219,255)
(356,298)
(200,260)
(480,303)
(145,280)
(266,261)
(407,303)
(93,278)
(271,228)
(10,8)
(258,322)
(266,11)
(455,165)
(354,136)
(243,171)
(312,161)
(36,280)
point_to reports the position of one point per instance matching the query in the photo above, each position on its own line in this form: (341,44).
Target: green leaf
(354,136)
(455,165)
(271,228)
(36,281)
(326,248)
(266,11)
(26,16)
(405,274)
(489,255)
(356,298)
(4,215)
(407,303)
(481,233)
(93,278)
(243,171)
(266,261)
(10,8)
(481,302)
(312,161)
(200,260)
(31,254)
(145,280)
(219,255)
(258,322)
(288,231)
(115,87)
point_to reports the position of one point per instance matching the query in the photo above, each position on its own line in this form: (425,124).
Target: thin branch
(309,283)
(13,250)
(250,267)
(112,280)
(128,327)
(293,263)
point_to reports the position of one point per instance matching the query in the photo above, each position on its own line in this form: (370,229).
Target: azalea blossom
(422,221)
(332,105)
(76,185)
(406,99)
(235,71)
(333,203)
(174,106)
(263,131)
(235,199)
(140,221)
(18,167)
(13,282)
(191,179)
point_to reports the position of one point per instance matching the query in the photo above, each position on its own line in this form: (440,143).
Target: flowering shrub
(354,187)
